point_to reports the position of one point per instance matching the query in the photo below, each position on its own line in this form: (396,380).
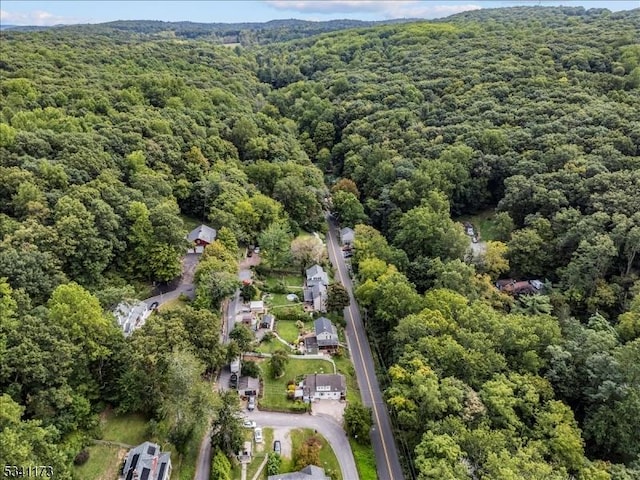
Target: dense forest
(110,136)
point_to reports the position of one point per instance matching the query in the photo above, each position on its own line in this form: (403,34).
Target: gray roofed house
(147,462)
(201,236)
(315,275)
(248,386)
(347,236)
(326,333)
(316,297)
(324,386)
(267,321)
(310,472)
(131,315)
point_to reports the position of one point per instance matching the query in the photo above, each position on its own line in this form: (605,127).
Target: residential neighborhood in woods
(387,248)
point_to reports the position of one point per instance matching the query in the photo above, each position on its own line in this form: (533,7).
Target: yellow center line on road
(366,374)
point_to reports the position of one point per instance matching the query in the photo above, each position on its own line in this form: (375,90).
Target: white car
(249,424)
(257,435)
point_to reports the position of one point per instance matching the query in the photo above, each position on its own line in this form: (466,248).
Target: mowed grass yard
(103,464)
(274,395)
(290,279)
(287,330)
(328,459)
(273,346)
(484,223)
(131,429)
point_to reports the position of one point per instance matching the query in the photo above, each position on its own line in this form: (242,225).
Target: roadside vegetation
(125,139)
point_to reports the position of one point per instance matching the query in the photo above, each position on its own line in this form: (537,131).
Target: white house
(323,386)
(316,275)
(131,315)
(347,236)
(326,334)
(257,306)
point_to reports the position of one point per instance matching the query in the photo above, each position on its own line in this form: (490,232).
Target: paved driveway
(330,408)
(327,426)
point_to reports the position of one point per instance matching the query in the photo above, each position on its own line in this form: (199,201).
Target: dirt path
(284,435)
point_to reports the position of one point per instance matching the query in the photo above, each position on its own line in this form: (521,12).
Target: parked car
(277,447)
(348,254)
(154,306)
(251,406)
(474,239)
(249,424)
(257,435)
(256,250)
(233,381)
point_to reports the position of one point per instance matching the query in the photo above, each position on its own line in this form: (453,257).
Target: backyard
(484,223)
(103,464)
(274,394)
(328,459)
(132,429)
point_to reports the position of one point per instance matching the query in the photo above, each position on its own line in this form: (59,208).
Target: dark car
(277,447)
(154,305)
(233,381)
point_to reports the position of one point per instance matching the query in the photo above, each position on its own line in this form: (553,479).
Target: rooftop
(310,472)
(202,232)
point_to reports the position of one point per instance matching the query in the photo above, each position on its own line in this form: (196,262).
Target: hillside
(524,118)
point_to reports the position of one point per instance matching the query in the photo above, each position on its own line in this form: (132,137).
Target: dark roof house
(316,296)
(147,462)
(326,332)
(249,386)
(201,237)
(310,472)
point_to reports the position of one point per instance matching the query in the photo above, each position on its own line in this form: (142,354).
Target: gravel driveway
(283,434)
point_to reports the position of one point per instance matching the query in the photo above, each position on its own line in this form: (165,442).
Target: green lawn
(279,300)
(175,303)
(103,464)
(291,280)
(190,222)
(345,367)
(130,429)
(272,346)
(365,460)
(287,330)
(274,395)
(328,459)
(483,222)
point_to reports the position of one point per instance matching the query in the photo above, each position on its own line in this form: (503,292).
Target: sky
(14,12)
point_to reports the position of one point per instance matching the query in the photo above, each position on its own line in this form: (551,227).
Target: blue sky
(13,12)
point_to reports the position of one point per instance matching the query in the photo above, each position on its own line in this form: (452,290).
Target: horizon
(58,13)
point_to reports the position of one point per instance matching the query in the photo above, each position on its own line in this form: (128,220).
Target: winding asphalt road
(387,461)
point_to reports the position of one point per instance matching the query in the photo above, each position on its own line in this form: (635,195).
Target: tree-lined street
(387,461)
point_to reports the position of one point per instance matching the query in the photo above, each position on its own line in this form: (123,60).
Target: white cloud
(386,8)
(35,17)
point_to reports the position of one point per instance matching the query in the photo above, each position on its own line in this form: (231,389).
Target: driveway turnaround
(324,424)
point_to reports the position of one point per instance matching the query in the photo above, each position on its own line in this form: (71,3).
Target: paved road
(387,462)
(189,263)
(203,465)
(325,425)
